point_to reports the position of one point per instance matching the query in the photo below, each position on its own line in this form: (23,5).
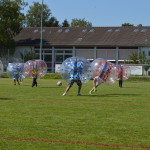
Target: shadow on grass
(50,87)
(6,99)
(112,95)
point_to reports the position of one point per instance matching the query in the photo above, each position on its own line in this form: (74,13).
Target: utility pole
(41,38)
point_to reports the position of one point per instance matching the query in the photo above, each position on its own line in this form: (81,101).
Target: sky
(99,12)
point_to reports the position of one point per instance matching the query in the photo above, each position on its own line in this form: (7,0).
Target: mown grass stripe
(81,102)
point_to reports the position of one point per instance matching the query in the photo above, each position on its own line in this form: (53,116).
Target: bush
(47,76)
(4,75)
(58,76)
(139,78)
(52,76)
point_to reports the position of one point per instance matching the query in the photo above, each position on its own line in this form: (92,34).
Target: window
(67,30)
(60,30)
(84,30)
(49,70)
(109,30)
(68,51)
(59,58)
(67,56)
(136,30)
(92,30)
(143,30)
(79,39)
(48,58)
(148,53)
(117,30)
(59,51)
(47,51)
(36,30)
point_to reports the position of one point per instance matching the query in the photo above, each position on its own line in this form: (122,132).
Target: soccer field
(39,118)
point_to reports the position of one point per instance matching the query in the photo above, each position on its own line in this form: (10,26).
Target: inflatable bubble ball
(35,69)
(123,71)
(1,68)
(15,70)
(77,68)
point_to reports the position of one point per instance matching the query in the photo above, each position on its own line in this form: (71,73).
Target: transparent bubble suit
(82,69)
(15,70)
(105,70)
(124,71)
(1,68)
(35,69)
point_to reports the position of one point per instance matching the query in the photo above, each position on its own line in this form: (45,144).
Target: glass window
(36,51)
(92,30)
(47,51)
(67,56)
(148,53)
(136,30)
(59,51)
(48,58)
(117,30)
(84,30)
(59,58)
(67,30)
(36,30)
(79,39)
(143,30)
(68,51)
(60,30)
(49,70)
(109,30)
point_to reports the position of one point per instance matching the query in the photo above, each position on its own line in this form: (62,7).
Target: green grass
(110,116)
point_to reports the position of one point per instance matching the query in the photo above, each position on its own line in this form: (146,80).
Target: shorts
(78,82)
(97,80)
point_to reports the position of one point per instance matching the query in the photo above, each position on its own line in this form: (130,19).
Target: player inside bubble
(35,69)
(15,72)
(102,72)
(75,70)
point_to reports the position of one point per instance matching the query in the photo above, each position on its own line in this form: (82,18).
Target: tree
(65,23)
(11,22)
(127,25)
(80,23)
(29,56)
(33,17)
(138,58)
(139,25)
(52,22)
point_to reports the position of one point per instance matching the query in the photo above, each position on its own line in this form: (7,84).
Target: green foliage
(4,75)
(52,22)
(33,17)
(127,24)
(29,56)
(139,78)
(65,23)
(11,22)
(138,58)
(52,76)
(80,23)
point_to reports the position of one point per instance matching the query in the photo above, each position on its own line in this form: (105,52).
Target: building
(112,43)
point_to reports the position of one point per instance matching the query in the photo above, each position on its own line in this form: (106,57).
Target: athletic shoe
(95,90)
(79,94)
(64,94)
(90,92)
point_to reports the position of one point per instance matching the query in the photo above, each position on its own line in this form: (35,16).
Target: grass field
(40,118)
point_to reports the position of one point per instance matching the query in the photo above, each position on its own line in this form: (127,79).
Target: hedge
(58,76)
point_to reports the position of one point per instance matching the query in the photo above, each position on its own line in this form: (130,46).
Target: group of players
(97,80)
